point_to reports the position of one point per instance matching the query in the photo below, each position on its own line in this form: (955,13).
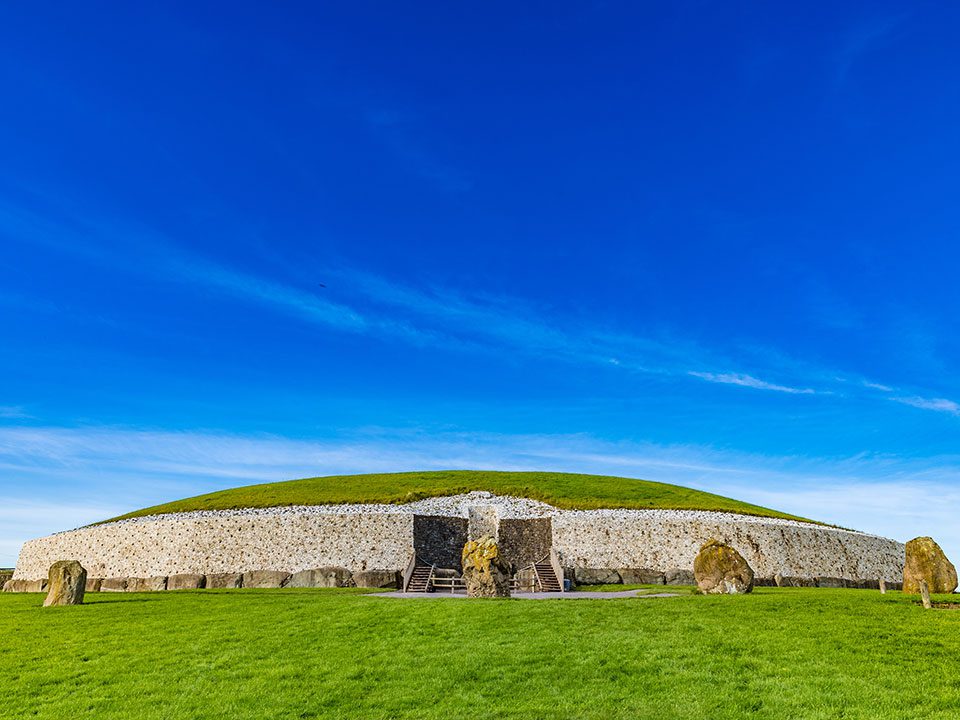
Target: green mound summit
(563,490)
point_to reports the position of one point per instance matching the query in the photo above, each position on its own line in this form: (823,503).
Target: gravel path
(573,595)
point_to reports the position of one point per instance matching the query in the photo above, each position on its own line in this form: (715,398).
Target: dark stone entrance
(439,540)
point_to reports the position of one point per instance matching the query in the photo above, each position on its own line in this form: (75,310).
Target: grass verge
(778,653)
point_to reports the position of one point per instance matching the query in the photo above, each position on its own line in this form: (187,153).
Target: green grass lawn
(564,490)
(778,653)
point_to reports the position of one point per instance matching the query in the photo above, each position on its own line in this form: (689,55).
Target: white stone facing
(232,542)
(375,536)
(666,539)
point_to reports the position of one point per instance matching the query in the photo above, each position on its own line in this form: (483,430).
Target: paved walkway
(573,595)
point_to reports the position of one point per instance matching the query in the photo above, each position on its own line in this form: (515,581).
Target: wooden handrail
(557,569)
(408,573)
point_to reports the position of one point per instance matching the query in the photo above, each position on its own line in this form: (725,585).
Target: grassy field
(564,490)
(779,653)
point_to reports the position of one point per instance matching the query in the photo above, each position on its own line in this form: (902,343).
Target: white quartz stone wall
(230,542)
(360,537)
(663,540)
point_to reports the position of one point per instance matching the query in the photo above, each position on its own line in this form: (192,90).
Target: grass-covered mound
(776,653)
(563,490)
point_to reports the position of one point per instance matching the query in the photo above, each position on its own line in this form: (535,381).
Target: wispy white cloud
(877,386)
(750,382)
(13,412)
(54,478)
(936,404)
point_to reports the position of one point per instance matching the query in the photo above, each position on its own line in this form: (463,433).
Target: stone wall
(439,540)
(524,540)
(380,537)
(665,541)
(226,543)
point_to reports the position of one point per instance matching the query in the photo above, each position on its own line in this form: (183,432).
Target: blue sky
(706,243)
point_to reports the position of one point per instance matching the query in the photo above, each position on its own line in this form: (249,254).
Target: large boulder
(325,577)
(926,561)
(67,581)
(265,579)
(485,572)
(224,580)
(186,581)
(676,576)
(33,586)
(641,576)
(376,579)
(150,584)
(114,584)
(596,576)
(720,569)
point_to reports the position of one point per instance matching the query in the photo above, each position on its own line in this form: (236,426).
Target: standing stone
(720,569)
(484,570)
(883,586)
(926,561)
(67,581)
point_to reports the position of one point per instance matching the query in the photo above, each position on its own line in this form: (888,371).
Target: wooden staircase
(547,577)
(421,580)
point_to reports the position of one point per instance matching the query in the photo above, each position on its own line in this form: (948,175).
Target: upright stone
(720,569)
(67,581)
(926,561)
(484,570)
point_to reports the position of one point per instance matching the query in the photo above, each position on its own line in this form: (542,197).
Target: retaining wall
(654,540)
(362,538)
(232,543)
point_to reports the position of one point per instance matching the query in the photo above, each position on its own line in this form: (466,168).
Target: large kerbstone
(596,576)
(676,576)
(149,584)
(224,580)
(720,569)
(376,579)
(117,584)
(25,586)
(640,576)
(265,579)
(327,577)
(485,572)
(67,581)
(926,561)
(186,581)
(93,584)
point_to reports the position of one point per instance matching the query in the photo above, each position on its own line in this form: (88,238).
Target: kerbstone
(185,581)
(265,579)
(641,576)
(150,584)
(377,579)
(224,580)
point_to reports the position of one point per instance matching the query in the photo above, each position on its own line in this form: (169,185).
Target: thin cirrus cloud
(936,404)
(750,382)
(438,317)
(139,467)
